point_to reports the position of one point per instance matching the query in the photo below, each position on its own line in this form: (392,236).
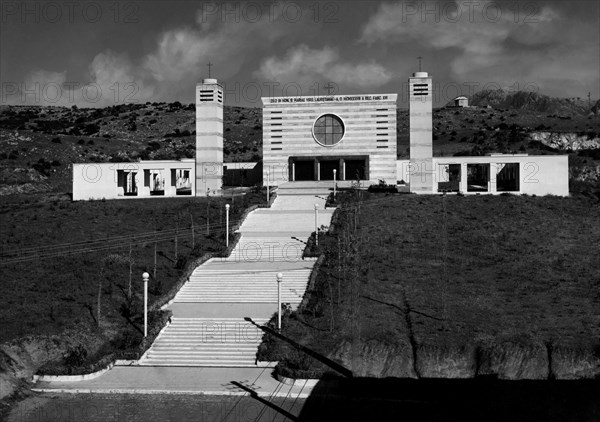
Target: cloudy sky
(100,53)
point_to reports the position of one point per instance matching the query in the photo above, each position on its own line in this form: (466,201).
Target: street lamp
(316,225)
(334,181)
(279,281)
(268,177)
(227,225)
(145,277)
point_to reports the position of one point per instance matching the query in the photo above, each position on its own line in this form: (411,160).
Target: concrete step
(239,299)
(207,363)
(246,276)
(248,284)
(206,342)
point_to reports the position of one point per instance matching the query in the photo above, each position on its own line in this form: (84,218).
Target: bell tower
(209,137)
(421,133)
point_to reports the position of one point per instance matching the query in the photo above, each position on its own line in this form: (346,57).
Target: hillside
(451,287)
(525,100)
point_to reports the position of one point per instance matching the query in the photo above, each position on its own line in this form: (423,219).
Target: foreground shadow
(323,359)
(346,397)
(482,399)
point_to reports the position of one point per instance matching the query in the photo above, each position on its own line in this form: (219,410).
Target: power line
(101,247)
(136,236)
(116,242)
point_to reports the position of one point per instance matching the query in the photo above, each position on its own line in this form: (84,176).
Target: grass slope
(48,295)
(450,277)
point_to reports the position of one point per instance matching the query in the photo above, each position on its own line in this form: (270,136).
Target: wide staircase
(255,285)
(207,342)
(218,313)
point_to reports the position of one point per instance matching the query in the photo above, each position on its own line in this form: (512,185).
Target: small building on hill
(461,102)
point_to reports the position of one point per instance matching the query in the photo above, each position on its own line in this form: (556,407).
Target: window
(478,176)
(507,177)
(154,180)
(126,181)
(328,130)
(449,177)
(180,179)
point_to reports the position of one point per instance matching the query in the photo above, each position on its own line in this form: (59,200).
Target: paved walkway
(181,380)
(289,220)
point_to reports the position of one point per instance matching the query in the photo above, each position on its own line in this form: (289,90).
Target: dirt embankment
(510,360)
(20,359)
(566,141)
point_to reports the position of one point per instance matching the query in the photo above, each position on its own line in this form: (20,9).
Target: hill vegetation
(533,101)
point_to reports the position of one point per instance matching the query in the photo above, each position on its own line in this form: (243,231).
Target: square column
(492,178)
(463,178)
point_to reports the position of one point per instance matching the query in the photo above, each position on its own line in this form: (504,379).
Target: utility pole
(176,233)
(145,278)
(227,225)
(208,212)
(130,269)
(155,246)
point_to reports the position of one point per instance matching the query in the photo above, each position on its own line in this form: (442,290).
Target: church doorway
(327,167)
(355,170)
(304,170)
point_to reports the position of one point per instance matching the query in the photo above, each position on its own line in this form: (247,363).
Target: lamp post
(279,281)
(334,181)
(268,177)
(227,225)
(145,277)
(316,225)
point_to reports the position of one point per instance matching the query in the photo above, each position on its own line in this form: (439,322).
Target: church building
(319,139)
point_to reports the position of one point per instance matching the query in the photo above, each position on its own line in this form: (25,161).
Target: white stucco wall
(538,174)
(100,180)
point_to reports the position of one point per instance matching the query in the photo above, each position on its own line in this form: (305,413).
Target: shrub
(56,140)
(91,128)
(383,187)
(76,356)
(43,167)
(154,145)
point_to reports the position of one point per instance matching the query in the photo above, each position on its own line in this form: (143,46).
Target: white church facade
(320,138)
